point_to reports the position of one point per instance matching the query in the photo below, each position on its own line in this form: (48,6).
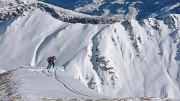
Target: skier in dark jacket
(53,61)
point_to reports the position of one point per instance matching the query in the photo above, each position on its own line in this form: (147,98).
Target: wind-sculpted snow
(43,43)
(120,60)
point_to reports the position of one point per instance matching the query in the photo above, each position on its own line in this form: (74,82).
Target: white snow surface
(38,83)
(124,59)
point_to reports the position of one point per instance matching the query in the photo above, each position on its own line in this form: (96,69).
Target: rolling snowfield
(128,60)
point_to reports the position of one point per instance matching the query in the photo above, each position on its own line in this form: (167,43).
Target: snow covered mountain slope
(138,9)
(124,59)
(38,83)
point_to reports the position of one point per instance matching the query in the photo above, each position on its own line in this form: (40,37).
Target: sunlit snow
(127,59)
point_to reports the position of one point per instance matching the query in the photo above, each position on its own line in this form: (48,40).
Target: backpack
(49,59)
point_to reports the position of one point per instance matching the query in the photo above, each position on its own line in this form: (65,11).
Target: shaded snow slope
(125,59)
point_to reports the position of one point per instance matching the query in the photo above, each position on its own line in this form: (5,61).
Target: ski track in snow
(59,79)
(45,72)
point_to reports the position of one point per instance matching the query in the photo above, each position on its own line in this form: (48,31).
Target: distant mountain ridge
(10,10)
(118,9)
(137,9)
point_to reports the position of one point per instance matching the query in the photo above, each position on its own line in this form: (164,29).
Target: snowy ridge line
(13,10)
(68,16)
(56,12)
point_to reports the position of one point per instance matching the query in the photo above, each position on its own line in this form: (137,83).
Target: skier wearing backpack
(50,62)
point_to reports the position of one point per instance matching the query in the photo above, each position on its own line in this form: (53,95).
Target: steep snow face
(138,9)
(125,59)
